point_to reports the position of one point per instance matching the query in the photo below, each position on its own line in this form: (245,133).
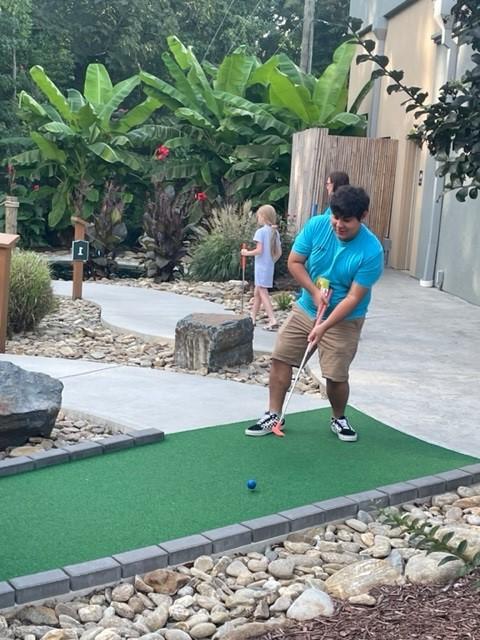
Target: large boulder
(205,341)
(29,404)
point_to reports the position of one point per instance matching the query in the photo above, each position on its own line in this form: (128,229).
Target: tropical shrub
(169,222)
(216,256)
(233,133)
(31,295)
(107,231)
(284,300)
(83,140)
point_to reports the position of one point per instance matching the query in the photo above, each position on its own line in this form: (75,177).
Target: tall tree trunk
(307,36)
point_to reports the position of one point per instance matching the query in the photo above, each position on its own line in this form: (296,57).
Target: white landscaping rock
(426,569)
(311,604)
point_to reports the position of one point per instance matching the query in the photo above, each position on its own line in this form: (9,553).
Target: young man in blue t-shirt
(342,250)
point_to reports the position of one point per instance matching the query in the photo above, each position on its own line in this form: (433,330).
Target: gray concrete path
(417,368)
(137,398)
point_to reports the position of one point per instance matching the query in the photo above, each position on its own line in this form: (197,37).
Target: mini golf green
(195,481)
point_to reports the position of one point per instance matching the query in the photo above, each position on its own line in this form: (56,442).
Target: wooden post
(77,264)
(11,208)
(7,243)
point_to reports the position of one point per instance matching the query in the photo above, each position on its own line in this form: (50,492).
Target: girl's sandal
(271,327)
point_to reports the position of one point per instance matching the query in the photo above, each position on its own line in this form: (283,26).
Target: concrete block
(337,508)
(369,500)
(116,442)
(93,573)
(229,537)
(186,549)
(267,527)
(146,436)
(140,561)
(39,586)
(47,458)
(303,517)
(85,449)
(455,478)
(11,466)
(428,485)
(7,595)
(473,470)
(399,493)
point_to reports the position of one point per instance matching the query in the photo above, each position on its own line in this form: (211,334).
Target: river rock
(361,577)
(33,411)
(165,581)
(426,569)
(311,604)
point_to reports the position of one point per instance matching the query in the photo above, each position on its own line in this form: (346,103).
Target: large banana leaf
(48,149)
(194,118)
(257,112)
(296,98)
(52,92)
(342,120)
(26,158)
(137,115)
(262,74)
(329,89)
(25,101)
(59,205)
(362,94)
(75,100)
(234,72)
(150,133)
(98,86)
(192,95)
(181,170)
(187,60)
(163,89)
(60,128)
(119,92)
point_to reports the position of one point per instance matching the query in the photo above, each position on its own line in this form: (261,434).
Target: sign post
(79,256)
(7,243)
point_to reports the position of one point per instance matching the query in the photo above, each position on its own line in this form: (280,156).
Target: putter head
(277,430)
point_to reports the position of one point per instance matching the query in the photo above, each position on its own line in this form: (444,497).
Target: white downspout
(379,29)
(444,18)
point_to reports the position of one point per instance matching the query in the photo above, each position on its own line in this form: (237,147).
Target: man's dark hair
(348,201)
(338,179)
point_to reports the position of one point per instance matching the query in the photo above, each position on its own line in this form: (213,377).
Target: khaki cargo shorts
(336,350)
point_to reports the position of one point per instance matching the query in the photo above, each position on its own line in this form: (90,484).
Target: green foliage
(450,127)
(31,295)
(107,231)
(169,222)
(424,536)
(234,134)
(284,300)
(84,140)
(216,256)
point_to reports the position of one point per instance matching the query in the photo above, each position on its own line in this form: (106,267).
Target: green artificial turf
(195,481)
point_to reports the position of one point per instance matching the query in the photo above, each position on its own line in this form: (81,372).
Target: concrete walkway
(416,370)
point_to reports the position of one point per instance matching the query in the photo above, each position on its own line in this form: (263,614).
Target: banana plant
(235,130)
(83,140)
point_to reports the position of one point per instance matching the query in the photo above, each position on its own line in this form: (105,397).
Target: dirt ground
(402,613)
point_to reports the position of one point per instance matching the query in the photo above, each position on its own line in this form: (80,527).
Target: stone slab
(267,527)
(82,450)
(303,517)
(369,500)
(7,595)
(116,443)
(140,561)
(474,471)
(399,492)
(12,466)
(186,549)
(455,478)
(229,537)
(337,508)
(39,586)
(146,436)
(48,458)
(428,485)
(93,573)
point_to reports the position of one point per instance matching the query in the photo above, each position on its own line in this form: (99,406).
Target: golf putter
(277,429)
(243,262)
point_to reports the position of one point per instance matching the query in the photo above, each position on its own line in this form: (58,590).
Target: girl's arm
(253,252)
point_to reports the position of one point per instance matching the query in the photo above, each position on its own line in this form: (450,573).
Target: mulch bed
(402,613)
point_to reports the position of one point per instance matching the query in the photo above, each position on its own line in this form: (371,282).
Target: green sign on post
(80,250)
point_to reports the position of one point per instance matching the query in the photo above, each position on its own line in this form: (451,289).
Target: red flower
(161,152)
(35,187)
(201,195)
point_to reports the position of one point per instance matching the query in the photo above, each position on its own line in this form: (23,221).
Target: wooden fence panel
(370,163)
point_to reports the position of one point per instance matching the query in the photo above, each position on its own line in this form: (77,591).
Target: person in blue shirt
(338,248)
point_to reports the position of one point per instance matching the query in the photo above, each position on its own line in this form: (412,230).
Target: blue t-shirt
(359,260)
